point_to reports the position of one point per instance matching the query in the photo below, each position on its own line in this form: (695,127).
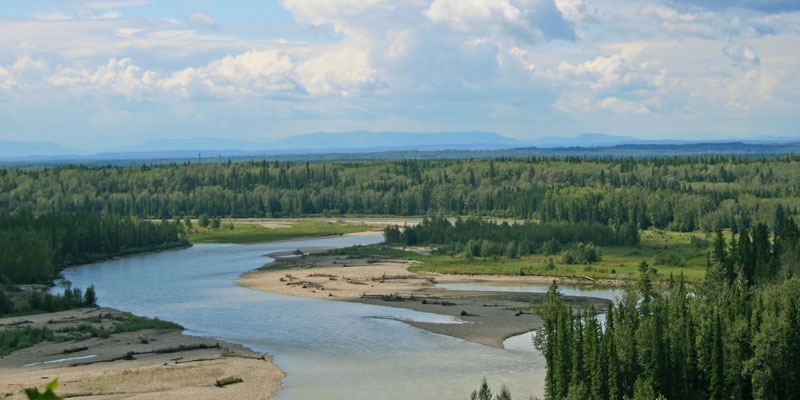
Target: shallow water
(600,292)
(524,342)
(329,349)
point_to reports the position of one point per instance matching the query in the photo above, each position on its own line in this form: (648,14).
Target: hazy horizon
(99,75)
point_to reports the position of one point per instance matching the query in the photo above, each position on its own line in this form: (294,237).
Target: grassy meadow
(668,252)
(253,233)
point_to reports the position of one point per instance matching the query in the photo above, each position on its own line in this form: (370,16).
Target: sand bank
(164,364)
(492,316)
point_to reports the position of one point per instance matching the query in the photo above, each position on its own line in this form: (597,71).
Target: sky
(105,73)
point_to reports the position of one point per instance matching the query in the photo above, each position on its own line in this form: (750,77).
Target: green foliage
(215,223)
(90,298)
(49,392)
(580,253)
(133,323)
(36,247)
(252,233)
(676,193)
(484,393)
(203,221)
(35,301)
(480,238)
(732,339)
(550,247)
(14,339)
(670,259)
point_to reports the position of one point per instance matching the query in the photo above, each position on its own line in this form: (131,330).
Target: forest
(675,193)
(35,248)
(481,238)
(736,336)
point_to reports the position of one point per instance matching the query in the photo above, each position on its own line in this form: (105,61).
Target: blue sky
(105,73)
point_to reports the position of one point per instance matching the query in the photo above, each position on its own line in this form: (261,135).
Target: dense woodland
(737,336)
(677,193)
(34,248)
(480,238)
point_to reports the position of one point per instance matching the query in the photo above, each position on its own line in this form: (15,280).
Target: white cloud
(259,73)
(525,20)
(21,74)
(201,21)
(338,72)
(576,10)
(741,53)
(105,5)
(320,12)
(115,77)
(622,106)
(623,70)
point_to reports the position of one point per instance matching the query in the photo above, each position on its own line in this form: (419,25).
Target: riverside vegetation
(718,320)
(736,336)
(674,193)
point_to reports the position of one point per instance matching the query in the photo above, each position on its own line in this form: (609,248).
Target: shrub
(672,260)
(551,247)
(582,254)
(203,221)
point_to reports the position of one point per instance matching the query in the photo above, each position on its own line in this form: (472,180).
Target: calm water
(601,292)
(329,349)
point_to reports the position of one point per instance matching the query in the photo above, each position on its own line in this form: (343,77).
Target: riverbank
(141,364)
(261,231)
(490,317)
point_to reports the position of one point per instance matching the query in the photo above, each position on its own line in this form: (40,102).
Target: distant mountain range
(321,143)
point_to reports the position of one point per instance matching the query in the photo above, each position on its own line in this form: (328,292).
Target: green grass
(19,338)
(619,262)
(375,250)
(12,340)
(251,233)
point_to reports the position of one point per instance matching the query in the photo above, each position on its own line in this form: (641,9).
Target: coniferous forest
(675,193)
(736,336)
(36,247)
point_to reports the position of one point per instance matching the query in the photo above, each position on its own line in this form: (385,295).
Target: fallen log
(228,380)
(75,350)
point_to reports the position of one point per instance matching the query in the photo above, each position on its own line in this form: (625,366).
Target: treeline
(482,238)
(677,193)
(737,336)
(34,248)
(35,301)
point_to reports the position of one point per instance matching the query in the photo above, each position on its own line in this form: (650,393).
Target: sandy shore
(164,364)
(492,316)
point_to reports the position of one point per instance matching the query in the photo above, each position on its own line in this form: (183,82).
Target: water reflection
(329,349)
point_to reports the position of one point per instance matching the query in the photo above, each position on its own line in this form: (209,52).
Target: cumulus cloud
(575,10)
(619,71)
(201,21)
(117,76)
(414,57)
(320,12)
(769,6)
(21,74)
(259,73)
(741,53)
(528,21)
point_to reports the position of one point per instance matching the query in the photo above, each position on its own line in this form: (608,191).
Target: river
(328,349)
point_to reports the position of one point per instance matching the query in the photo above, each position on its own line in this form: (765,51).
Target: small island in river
(489,317)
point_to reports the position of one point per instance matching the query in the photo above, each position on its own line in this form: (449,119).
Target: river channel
(328,349)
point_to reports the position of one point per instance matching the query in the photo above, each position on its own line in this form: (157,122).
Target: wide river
(328,349)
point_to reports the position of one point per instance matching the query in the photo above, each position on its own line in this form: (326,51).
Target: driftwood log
(228,380)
